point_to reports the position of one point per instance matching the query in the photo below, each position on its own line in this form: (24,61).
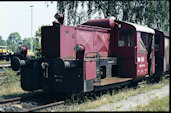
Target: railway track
(11,100)
(18,100)
(23,97)
(43,106)
(24,103)
(5,65)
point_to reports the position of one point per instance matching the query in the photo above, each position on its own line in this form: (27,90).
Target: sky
(16,17)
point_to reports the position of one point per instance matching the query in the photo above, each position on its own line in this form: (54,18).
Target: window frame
(126,39)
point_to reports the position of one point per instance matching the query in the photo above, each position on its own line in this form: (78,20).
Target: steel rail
(42,106)
(5,65)
(11,100)
(20,98)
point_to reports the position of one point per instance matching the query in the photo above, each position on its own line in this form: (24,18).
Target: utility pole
(31,28)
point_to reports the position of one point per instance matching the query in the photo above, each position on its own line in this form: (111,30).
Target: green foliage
(26,42)
(37,47)
(10,77)
(2,42)
(154,13)
(14,41)
(37,43)
(38,32)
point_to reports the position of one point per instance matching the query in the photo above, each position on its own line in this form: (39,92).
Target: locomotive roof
(166,34)
(142,28)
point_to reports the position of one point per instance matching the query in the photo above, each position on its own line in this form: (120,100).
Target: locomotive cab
(134,46)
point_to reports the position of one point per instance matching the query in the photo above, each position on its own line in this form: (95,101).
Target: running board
(111,83)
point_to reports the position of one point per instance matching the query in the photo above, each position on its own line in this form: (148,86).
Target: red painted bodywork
(153,55)
(101,40)
(142,64)
(125,54)
(106,23)
(90,70)
(93,40)
(67,42)
(133,63)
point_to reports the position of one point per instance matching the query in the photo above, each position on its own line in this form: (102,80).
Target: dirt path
(131,103)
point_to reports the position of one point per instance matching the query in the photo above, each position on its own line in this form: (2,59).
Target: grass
(87,103)
(10,77)
(10,85)
(11,90)
(4,61)
(156,104)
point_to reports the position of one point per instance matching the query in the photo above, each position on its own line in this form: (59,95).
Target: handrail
(135,54)
(95,27)
(97,55)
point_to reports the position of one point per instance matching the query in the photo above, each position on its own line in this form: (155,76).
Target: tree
(37,42)
(14,41)
(2,42)
(154,13)
(26,42)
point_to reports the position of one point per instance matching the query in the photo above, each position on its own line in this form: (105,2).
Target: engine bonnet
(107,22)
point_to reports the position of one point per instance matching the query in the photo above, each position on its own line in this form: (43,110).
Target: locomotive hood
(106,22)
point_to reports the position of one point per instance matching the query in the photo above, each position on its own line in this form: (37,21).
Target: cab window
(126,38)
(142,46)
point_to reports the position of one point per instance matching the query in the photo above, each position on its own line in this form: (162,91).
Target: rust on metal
(10,100)
(112,80)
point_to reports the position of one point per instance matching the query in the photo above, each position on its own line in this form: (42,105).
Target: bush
(10,77)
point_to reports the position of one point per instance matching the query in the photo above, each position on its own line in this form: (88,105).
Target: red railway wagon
(166,52)
(99,54)
(161,53)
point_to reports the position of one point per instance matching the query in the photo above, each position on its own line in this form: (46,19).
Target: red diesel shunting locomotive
(96,55)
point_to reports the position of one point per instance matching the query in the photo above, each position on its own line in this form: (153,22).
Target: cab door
(126,51)
(148,40)
(142,53)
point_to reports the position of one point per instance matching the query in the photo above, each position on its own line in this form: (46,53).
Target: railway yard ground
(127,99)
(123,99)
